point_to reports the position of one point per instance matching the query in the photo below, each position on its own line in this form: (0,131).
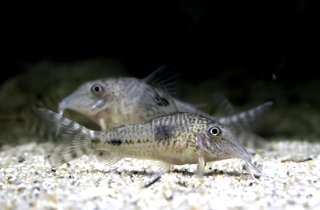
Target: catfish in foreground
(173,139)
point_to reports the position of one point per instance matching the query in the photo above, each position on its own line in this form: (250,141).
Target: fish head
(220,141)
(96,97)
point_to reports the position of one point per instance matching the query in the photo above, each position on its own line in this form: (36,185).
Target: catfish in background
(122,100)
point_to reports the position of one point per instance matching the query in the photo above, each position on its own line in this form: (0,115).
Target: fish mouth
(78,103)
(70,102)
(62,106)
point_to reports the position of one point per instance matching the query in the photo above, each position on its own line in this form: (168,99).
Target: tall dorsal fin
(157,102)
(166,79)
(222,104)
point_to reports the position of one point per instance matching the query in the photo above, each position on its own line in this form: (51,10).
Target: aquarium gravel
(291,180)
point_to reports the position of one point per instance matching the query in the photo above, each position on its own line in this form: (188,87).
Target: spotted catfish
(113,101)
(173,139)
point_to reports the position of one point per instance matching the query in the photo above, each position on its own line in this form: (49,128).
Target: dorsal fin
(157,102)
(166,79)
(222,104)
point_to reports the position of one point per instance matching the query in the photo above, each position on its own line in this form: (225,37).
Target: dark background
(259,38)
(251,49)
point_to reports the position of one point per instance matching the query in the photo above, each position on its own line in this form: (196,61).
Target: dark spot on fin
(161,101)
(166,79)
(162,133)
(156,102)
(108,158)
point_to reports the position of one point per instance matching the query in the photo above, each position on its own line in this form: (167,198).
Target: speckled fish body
(174,139)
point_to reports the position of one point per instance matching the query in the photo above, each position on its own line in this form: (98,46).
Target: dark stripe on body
(116,142)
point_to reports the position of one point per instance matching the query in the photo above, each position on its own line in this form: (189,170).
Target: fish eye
(214,130)
(97,89)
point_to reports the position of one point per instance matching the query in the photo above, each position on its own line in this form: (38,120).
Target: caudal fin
(75,139)
(246,117)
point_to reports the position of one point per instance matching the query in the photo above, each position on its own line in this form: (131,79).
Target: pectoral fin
(108,158)
(201,165)
(162,168)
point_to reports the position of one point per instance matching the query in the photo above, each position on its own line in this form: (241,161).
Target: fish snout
(62,107)
(66,103)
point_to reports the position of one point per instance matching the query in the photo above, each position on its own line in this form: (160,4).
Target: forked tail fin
(76,139)
(246,117)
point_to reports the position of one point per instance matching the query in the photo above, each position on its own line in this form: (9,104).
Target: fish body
(174,139)
(112,101)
